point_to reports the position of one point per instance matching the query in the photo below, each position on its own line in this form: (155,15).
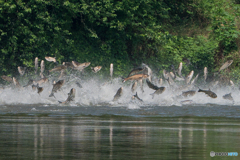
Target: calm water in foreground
(153,132)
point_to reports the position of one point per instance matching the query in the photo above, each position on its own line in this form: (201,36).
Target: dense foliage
(160,33)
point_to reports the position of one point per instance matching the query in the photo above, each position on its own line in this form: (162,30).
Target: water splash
(95,92)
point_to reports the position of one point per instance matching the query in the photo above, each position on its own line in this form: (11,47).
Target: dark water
(103,132)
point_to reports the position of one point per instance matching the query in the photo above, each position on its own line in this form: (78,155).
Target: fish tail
(51,95)
(152,95)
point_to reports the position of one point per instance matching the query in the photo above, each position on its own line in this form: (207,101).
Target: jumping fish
(189,93)
(179,71)
(51,59)
(135,77)
(57,86)
(189,77)
(147,71)
(42,65)
(134,86)
(231,83)
(165,74)
(195,79)
(228,96)
(136,70)
(136,96)
(34,87)
(118,94)
(30,82)
(152,86)
(159,90)
(68,64)
(214,83)
(80,66)
(6,78)
(225,65)
(170,80)
(205,72)
(40,89)
(21,70)
(71,96)
(36,65)
(172,75)
(58,68)
(111,70)
(42,80)
(62,74)
(141,84)
(177,78)
(16,83)
(160,81)
(209,93)
(96,69)
(168,77)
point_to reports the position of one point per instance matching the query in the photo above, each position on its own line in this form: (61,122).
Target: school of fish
(139,83)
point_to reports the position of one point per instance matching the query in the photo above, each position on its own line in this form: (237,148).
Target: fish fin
(152,95)
(52,95)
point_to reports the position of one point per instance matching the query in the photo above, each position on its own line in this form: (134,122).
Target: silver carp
(189,93)
(134,86)
(58,68)
(71,96)
(21,70)
(179,71)
(111,70)
(42,65)
(205,72)
(135,77)
(118,94)
(209,93)
(225,65)
(189,77)
(228,96)
(36,65)
(51,59)
(57,86)
(96,69)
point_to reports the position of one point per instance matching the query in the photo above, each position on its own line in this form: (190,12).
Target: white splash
(95,92)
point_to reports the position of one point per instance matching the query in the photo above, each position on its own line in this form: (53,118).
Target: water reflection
(180,138)
(116,137)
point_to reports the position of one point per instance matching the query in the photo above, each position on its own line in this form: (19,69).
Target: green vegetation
(126,33)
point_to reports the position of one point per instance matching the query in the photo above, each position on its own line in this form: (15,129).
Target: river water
(34,126)
(103,132)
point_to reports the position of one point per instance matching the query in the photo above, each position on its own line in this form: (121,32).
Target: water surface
(103,132)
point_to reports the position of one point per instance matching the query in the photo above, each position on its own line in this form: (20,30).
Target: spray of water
(95,92)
